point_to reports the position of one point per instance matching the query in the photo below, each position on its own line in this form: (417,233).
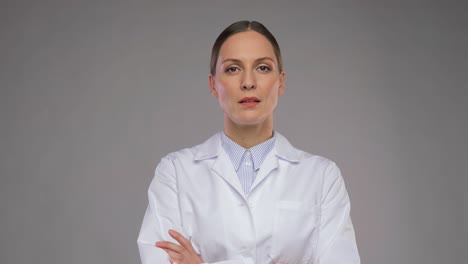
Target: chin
(250,122)
(251,119)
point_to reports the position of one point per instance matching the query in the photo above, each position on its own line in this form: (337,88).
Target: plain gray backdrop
(95,93)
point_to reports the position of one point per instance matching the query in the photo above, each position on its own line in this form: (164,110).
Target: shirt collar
(236,152)
(212,147)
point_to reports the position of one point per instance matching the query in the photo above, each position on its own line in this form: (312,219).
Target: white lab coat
(298,210)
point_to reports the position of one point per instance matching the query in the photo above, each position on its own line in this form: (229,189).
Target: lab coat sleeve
(337,243)
(161,215)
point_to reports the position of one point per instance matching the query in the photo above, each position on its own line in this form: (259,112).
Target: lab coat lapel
(282,150)
(223,167)
(268,166)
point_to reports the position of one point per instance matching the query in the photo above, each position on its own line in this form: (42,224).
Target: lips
(249,100)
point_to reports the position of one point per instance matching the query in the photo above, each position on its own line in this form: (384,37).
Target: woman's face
(247,81)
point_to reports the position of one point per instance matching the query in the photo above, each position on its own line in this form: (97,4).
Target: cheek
(224,91)
(273,91)
(223,96)
(273,100)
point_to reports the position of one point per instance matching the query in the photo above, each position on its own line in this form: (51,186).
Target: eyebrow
(239,61)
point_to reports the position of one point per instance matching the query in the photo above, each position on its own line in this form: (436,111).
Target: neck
(248,136)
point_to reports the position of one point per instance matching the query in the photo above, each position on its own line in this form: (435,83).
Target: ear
(211,83)
(282,83)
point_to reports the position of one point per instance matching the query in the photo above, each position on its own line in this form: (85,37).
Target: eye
(232,69)
(264,68)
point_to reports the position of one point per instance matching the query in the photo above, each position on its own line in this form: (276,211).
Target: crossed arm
(179,254)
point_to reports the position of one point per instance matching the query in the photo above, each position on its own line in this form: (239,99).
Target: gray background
(94,93)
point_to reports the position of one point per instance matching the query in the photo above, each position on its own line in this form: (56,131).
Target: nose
(248,81)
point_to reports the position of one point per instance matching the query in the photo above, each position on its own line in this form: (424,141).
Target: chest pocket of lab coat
(295,232)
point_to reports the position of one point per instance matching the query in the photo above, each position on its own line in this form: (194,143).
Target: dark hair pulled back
(243,26)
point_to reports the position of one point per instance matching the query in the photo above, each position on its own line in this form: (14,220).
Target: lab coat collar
(212,148)
(283,149)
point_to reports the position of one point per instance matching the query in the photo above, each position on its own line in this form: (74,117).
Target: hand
(179,254)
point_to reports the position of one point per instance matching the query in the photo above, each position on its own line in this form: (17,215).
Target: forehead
(246,45)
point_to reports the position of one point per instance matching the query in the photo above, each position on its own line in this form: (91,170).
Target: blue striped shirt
(247,162)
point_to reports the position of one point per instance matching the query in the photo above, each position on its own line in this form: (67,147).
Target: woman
(246,195)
